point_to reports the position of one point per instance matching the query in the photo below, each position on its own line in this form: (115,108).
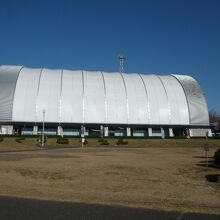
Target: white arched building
(121,104)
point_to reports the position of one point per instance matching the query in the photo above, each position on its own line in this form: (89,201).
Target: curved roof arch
(77,96)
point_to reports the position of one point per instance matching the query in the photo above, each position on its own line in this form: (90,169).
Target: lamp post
(42,139)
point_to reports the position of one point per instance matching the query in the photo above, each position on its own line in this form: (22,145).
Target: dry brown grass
(161,174)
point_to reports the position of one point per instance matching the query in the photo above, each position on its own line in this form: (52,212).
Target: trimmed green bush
(85,142)
(122,142)
(217,156)
(20,139)
(104,142)
(62,141)
(39,140)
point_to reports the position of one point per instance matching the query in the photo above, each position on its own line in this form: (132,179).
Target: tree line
(214,118)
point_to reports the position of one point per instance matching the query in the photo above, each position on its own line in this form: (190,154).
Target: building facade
(81,102)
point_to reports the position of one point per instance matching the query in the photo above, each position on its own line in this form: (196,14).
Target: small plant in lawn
(122,142)
(104,142)
(61,140)
(39,140)
(19,139)
(84,143)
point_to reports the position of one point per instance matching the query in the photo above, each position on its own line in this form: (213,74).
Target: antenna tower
(121,58)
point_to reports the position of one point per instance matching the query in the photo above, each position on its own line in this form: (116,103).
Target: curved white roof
(99,97)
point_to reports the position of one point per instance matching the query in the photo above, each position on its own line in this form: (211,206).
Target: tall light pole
(42,139)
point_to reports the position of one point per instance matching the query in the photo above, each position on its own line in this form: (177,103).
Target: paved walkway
(30,209)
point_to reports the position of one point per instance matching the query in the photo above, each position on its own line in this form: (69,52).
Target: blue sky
(157,36)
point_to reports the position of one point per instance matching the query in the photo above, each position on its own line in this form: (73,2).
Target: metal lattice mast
(122,58)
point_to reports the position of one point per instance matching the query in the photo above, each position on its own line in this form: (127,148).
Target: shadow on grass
(202,157)
(39,148)
(214,178)
(211,163)
(204,163)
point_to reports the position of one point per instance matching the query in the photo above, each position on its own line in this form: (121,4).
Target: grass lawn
(151,173)
(31,143)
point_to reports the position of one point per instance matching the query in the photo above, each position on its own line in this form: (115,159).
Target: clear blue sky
(157,36)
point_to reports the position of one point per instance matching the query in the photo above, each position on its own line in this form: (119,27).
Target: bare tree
(214,118)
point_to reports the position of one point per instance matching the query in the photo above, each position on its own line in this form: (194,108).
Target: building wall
(8,82)
(85,97)
(198,110)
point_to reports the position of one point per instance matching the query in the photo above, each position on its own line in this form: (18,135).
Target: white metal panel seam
(126,93)
(61,90)
(187,101)
(106,104)
(38,88)
(148,104)
(168,102)
(83,99)
(14,93)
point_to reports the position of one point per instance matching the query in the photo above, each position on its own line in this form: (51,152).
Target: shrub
(1,139)
(104,142)
(20,139)
(62,141)
(122,142)
(217,156)
(40,139)
(85,142)
(100,140)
